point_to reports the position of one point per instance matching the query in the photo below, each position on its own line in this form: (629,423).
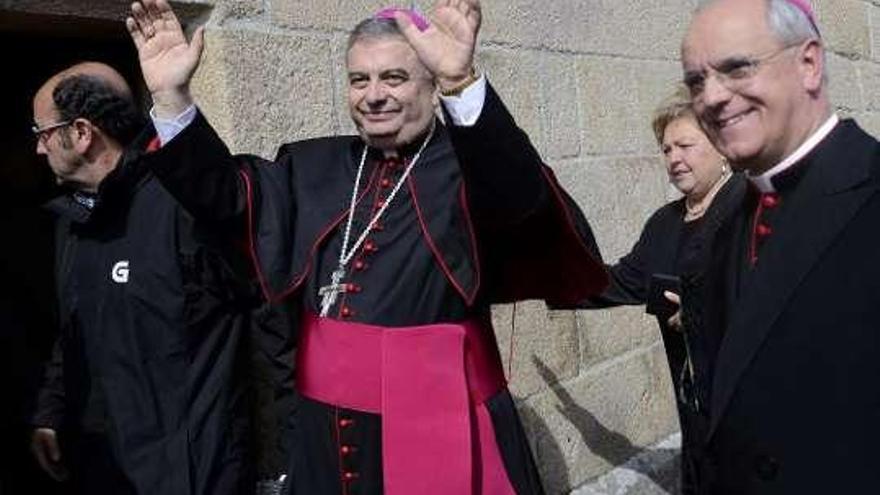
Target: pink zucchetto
(805,7)
(415,17)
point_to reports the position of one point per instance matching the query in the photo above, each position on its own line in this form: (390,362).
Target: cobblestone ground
(654,472)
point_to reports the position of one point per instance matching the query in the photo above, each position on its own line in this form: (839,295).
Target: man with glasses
(145,392)
(783,304)
(43,133)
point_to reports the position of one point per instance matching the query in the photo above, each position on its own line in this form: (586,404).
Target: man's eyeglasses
(43,133)
(733,73)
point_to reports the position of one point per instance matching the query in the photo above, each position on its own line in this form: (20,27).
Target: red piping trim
(339,450)
(753,242)
(314,249)
(510,347)
(432,246)
(320,239)
(561,203)
(374,187)
(475,252)
(341,305)
(154,144)
(251,235)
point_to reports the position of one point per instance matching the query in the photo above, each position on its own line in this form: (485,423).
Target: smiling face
(692,163)
(756,120)
(391,95)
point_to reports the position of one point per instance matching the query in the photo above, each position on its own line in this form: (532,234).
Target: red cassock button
(370,247)
(359,265)
(355,288)
(347,312)
(378,227)
(763,230)
(346,422)
(379,204)
(386,183)
(770,200)
(349,476)
(347,449)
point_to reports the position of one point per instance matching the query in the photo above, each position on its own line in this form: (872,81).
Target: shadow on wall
(548,454)
(613,447)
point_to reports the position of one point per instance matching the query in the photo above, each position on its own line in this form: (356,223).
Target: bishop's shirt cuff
(465,109)
(167,129)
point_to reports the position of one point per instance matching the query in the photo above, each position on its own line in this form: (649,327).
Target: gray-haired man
(784,303)
(393,243)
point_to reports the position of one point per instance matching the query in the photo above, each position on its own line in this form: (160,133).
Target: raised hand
(447,46)
(167,59)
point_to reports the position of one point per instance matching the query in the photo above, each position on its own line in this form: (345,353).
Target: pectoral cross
(329,293)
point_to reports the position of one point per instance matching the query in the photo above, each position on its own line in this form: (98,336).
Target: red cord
(510,347)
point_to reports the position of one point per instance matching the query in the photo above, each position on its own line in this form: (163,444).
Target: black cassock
(455,239)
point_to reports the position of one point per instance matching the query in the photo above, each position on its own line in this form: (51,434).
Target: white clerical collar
(764,181)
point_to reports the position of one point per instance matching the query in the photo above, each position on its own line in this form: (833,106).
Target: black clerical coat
(147,385)
(480,220)
(788,350)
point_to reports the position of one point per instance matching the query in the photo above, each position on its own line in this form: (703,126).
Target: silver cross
(329,292)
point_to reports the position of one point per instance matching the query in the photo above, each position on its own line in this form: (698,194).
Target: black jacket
(788,351)
(153,329)
(660,249)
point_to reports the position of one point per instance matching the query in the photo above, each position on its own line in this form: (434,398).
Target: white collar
(764,181)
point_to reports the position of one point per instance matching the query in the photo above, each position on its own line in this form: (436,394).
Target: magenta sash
(429,383)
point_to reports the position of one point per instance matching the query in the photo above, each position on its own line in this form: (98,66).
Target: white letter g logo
(119,274)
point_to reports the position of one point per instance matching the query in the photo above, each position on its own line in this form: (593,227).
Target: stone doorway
(37,41)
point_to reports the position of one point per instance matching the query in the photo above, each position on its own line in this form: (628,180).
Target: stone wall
(582,78)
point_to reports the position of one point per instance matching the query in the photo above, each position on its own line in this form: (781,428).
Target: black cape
(480,220)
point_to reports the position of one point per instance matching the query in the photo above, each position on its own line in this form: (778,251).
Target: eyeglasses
(733,73)
(43,133)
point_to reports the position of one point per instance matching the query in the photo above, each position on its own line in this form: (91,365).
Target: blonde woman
(648,274)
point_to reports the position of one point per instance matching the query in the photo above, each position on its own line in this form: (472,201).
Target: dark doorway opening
(35,47)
